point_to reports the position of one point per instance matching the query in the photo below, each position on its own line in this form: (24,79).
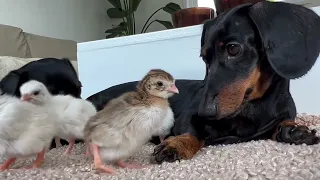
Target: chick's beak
(26,97)
(173,88)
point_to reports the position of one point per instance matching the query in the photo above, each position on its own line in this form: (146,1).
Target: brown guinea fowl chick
(129,121)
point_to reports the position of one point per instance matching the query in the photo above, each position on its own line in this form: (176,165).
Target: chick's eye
(159,83)
(36,93)
(233,49)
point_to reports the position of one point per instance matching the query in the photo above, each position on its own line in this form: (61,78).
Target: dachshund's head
(247,46)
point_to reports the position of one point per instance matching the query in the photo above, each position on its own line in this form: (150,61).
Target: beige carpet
(253,160)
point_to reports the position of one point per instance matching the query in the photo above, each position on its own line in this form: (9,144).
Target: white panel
(105,63)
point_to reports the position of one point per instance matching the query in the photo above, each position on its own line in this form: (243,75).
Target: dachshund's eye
(159,83)
(233,49)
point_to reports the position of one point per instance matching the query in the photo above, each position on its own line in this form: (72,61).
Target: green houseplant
(125,9)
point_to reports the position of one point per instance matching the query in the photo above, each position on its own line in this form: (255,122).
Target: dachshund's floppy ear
(10,83)
(205,27)
(290,35)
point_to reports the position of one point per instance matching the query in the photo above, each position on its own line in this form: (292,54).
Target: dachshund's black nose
(208,108)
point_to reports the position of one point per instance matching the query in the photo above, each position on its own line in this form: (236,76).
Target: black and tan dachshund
(57,74)
(251,52)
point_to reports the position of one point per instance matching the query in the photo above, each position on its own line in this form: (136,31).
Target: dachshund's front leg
(174,148)
(290,132)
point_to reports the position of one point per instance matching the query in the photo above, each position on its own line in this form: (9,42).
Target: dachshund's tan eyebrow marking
(219,43)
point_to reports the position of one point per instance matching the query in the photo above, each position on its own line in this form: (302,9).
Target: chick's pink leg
(88,153)
(98,162)
(129,165)
(57,141)
(7,164)
(70,146)
(161,138)
(39,160)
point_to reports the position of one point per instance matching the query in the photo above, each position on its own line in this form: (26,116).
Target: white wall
(79,20)
(144,11)
(147,7)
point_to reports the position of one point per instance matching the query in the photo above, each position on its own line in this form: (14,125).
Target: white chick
(73,112)
(129,121)
(25,130)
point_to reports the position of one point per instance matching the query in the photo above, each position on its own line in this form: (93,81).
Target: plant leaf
(171,8)
(120,28)
(123,24)
(116,13)
(134,4)
(116,29)
(166,24)
(115,3)
(112,35)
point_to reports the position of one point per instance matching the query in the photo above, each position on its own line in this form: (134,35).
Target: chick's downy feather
(25,129)
(120,131)
(74,113)
(167,124)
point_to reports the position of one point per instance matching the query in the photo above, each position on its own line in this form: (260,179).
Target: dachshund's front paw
(166,152)
(290,132)
(176,148)
(302,134)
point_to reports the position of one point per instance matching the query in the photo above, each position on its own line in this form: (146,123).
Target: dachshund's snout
(208,108)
